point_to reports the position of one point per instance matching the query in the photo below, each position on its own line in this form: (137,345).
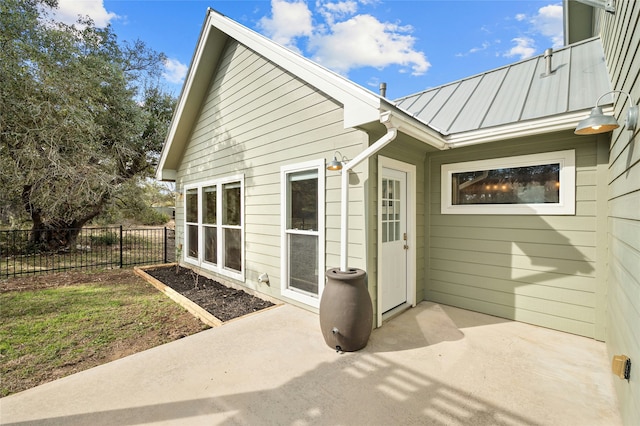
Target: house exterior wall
(621,41)
(544,270)
(255,118)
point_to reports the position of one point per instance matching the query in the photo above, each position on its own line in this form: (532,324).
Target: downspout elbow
(388,137)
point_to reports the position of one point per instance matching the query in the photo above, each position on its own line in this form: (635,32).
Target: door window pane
(303,263)
(390,210)
(303,201)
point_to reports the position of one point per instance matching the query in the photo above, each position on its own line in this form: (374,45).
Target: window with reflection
(214,225)
(191,216)
(513,185)
(529,184)
(303,231)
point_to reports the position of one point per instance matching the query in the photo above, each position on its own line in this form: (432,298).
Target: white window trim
(200,262)
(565,206)
(284,254)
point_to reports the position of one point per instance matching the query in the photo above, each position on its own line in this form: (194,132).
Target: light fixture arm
(606,5)
(632,115)
(597,122)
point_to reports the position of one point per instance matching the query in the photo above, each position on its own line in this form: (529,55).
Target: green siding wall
(542,270)
(254,119)
(621,41)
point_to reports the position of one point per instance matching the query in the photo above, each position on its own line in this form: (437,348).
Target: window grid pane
(231,207)
(390,210)
(209,205)
(303,263)
(303,201)
(191,204)
(211,244)
(192,241)
(232,249)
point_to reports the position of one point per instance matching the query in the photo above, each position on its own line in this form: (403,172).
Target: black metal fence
(94,248)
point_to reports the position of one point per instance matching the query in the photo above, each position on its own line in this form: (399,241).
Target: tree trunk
(54,235)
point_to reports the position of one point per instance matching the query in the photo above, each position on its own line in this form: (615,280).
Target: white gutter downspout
(392,123)
(391,134)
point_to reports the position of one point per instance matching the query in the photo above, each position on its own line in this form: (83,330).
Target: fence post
(166,260)
(120,246)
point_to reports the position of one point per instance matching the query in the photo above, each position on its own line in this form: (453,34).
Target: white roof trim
(521,129)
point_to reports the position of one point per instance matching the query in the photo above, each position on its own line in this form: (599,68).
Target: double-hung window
(214,227)
(302,244)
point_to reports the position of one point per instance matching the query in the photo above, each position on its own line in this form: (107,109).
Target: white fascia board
(520,129)
(411,127)
(361,106)
(202,66)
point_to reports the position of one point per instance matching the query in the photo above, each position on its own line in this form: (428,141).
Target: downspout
(391,134)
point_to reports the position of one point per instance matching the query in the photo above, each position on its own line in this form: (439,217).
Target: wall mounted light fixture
(336,164)
(597,122)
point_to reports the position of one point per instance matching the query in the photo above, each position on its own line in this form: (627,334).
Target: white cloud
(174,71)
(524,48)
(289,21)
(549,23)
(340,39)
(68,12)
(331,11)
(484,46)
(364,41)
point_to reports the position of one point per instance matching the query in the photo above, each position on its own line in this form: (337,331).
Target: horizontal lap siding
(535,269)
(621,41)
(256,118)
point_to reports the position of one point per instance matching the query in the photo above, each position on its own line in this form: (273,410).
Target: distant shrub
(106,239)
(151,217)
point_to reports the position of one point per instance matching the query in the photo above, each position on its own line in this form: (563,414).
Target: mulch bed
(225,303)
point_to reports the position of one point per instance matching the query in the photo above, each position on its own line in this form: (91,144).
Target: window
(303,231)
(191,215)
(390,210)
(214,226)
(527,184)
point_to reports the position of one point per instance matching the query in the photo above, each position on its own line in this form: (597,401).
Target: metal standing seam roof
(517,92)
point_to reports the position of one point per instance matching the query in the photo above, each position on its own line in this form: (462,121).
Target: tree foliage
(80,116)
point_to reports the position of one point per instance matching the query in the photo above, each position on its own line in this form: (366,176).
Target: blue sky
(410,45)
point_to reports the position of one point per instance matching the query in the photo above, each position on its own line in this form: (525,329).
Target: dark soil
(223,302)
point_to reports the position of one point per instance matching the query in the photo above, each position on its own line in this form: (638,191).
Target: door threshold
(394,312)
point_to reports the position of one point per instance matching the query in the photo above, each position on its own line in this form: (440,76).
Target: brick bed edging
(192,307)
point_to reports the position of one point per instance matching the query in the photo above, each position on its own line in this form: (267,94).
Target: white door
(394,243)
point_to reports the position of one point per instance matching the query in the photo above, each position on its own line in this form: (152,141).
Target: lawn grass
(49,333)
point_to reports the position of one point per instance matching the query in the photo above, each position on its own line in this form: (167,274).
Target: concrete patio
(434,365)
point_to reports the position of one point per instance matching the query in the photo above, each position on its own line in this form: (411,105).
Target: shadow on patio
(432,365)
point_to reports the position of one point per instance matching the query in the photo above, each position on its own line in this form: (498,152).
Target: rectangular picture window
(514,185)
(528,184)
